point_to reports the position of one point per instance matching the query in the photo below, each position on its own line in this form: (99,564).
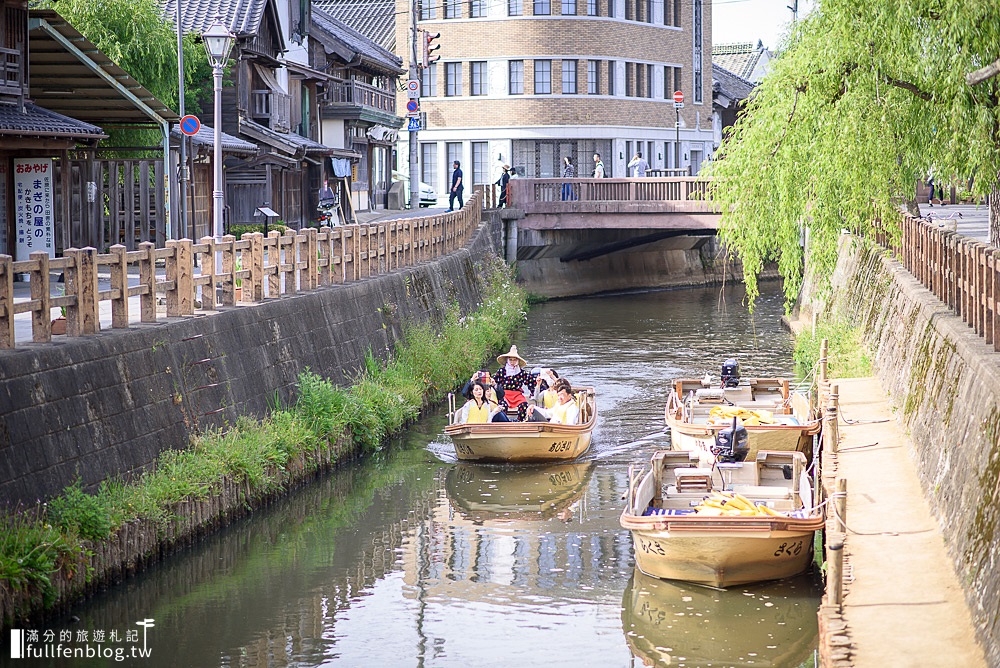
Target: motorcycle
(328,212)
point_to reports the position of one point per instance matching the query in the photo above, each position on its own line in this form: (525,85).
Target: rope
(838,495)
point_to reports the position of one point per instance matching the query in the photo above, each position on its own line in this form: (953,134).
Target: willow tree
(864,100)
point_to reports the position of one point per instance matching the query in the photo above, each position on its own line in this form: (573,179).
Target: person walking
(639,164)
(598,167)
(456,186)
(569,172)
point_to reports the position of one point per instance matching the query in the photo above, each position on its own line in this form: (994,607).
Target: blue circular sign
(190,125)
(412,105)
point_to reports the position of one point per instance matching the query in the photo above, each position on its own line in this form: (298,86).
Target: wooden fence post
(832,417)
(308,273)
(185,277)
(274,260)
(119,287)
(88,319)
(228,264)
(147,278)
(173,306)
(41,318)
(835,568)
(256,240)
(6,302)
(208,269)
(324,241)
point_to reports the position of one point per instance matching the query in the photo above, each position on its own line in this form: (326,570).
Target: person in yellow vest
(479,409)
(545,395)
(564,412)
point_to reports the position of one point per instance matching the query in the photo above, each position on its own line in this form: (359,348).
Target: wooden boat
(524,441)
(665,623)
(775,417)
(677,537)
(489,493)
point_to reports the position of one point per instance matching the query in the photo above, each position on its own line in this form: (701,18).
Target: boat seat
(763,491)
(693,479)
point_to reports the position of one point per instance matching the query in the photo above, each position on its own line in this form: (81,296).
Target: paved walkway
(903,602)
(970,220)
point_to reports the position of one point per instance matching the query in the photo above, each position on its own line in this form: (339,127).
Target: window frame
(511,66)
(450,70)
(480,81)
(547,80)
(570,69)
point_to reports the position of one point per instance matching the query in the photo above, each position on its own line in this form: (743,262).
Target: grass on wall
(53,539)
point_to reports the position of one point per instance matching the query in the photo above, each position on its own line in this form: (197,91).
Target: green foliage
(239,230)
(31,552)
(847,354)
(76,512)
(864,101)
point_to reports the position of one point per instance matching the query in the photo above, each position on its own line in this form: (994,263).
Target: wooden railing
(10,72)
(961,272)
(252,269)
(542,194)
(273,106)
(362,94)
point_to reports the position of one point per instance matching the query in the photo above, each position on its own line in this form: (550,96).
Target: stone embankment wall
(109,404)
(945,382)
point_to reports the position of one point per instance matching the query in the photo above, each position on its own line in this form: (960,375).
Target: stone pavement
(971,220)
(903,602)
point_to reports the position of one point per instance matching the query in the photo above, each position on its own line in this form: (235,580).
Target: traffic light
(427,39)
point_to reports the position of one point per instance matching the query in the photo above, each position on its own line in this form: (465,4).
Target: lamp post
(218,43)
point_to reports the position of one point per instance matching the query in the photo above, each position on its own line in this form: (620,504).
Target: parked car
(427,195)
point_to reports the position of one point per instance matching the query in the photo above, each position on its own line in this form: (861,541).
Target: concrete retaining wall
(945,382)
(106,405)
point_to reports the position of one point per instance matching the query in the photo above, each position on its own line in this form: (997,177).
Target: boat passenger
(514,380)
(478,409)
(483,376)
(565,411)
(545,396)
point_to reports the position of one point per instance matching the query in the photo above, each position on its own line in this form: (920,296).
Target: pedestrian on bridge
(569,172)
(598,167)
(639,164)
(456,186)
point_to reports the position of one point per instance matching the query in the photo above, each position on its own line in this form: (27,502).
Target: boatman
(514,380)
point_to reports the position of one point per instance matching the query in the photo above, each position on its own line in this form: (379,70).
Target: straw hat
(502,359)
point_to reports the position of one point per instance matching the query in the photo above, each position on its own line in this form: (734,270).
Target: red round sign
(678,96)
(190,125)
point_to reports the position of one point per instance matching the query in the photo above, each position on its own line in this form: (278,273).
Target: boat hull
(504,444)
(726,553)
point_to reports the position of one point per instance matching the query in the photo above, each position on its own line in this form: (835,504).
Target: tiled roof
(36,121)
(375,19)
(732,86)
(206,138)
(242,17)
(741,59)
(330,28)
(289,142)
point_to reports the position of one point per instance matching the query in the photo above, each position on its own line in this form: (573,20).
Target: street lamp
(218,43)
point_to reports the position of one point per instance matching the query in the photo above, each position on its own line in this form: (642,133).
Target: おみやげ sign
(33,207)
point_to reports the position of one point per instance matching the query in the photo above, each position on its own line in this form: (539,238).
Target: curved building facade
(529,82)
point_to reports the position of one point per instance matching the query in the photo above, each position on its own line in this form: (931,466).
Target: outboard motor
(731,444)
(730,373)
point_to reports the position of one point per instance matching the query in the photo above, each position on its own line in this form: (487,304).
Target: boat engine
(731,444)
(730,373)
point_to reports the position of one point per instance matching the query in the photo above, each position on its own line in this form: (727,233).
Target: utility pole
(414,152)
(182,176)
(795,11)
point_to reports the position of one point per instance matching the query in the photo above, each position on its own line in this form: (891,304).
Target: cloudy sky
(752,20)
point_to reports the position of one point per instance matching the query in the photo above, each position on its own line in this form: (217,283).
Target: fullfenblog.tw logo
(83,644)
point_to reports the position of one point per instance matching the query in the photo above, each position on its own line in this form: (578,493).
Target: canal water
(414,559)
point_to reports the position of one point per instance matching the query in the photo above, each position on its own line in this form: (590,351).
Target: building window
(591,7)
(479,83)
(542,8)
(611,77)
(569,77)
(515,8)
(515,70)
(593,78)
(696,69)
(667,13)
(543,77)
(568,7)
(452,79)
(677,13)
(628,9)
(427,10)
(649,81)
(611,9)
(428,162)
(629,79)
(480,162)
(678,80)
(477,9)
(454,151)
(452,9)
(429,81)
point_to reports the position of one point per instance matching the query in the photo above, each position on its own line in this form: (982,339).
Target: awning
(304,72)
(268,77)
(287,142)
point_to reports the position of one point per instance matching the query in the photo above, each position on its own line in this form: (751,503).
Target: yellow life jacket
(479,414)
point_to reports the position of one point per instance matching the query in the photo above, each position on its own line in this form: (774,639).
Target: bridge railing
(537,195)
(961,272)
(188,276)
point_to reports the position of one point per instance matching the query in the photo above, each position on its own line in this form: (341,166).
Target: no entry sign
(190,125)
(678,96)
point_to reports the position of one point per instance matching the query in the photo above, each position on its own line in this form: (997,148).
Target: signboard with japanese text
(33,206)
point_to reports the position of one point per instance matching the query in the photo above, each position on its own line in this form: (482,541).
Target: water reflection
(484,493)
(679,624)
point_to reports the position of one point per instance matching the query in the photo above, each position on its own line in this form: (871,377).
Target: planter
(59,326)
(239,294)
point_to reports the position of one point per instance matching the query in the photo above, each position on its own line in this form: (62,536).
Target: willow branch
(983,73)
(788,124)
(906,85)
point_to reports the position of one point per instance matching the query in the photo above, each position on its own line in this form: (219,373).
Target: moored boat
(518,442)
(775,417)
(726,525)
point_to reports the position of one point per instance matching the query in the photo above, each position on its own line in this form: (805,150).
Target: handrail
(252,269)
